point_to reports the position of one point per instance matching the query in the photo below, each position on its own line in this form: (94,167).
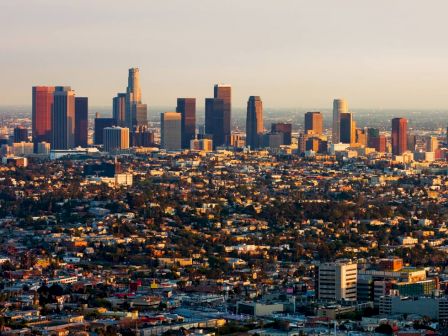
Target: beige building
(337,280)
(205,145)
(171,131)
(116,138)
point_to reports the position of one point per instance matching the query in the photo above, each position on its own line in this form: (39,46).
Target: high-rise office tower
(432,144)
(399,136)
(170,131)
(313,123)
(63,118)
(337,280)
(187,108)
(285,129)
(347,128)
(254,122)
(224,92)
(136,112)
(100,125)
(339,106)
(116,138)
(41,118)
(81,121)
(119,109)
(214,120)
(20,134)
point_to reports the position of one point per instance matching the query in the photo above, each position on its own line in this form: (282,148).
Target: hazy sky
(293,53)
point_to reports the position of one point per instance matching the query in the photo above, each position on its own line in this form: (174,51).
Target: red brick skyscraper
(399,136)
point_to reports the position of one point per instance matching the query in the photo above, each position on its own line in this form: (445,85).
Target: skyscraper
(41,118)
(285,129)
(81,121)
(63,118)
(170,131)
(432,143)
(119,109)
(116,138)
(224,92)
(313,123)
(136,112)
(100,125)
(347,129)
(339,106)
(214,120)
(187,108)
(399,136)
(20,134)
(254,122)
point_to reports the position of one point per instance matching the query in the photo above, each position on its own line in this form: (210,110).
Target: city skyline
(289,60)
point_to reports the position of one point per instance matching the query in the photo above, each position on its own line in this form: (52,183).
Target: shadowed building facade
(224,92)
(214,119)
(254,122)
(63,118)
(313,123)
(81,121)
(170,131)
(100,125)
(41,113)
(187,108)
(347,128)
(285,130)
(119,109)
(339,106)
(399,136)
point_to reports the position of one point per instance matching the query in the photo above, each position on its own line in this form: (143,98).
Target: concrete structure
(339,106)
(337,280)
(22,148)
(187,108)
(43,147)
(116,138)
(63,118)
(171,130)
(205,145)
(254,122)
(432,307)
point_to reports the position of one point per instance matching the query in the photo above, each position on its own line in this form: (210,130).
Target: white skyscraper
(339,106)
